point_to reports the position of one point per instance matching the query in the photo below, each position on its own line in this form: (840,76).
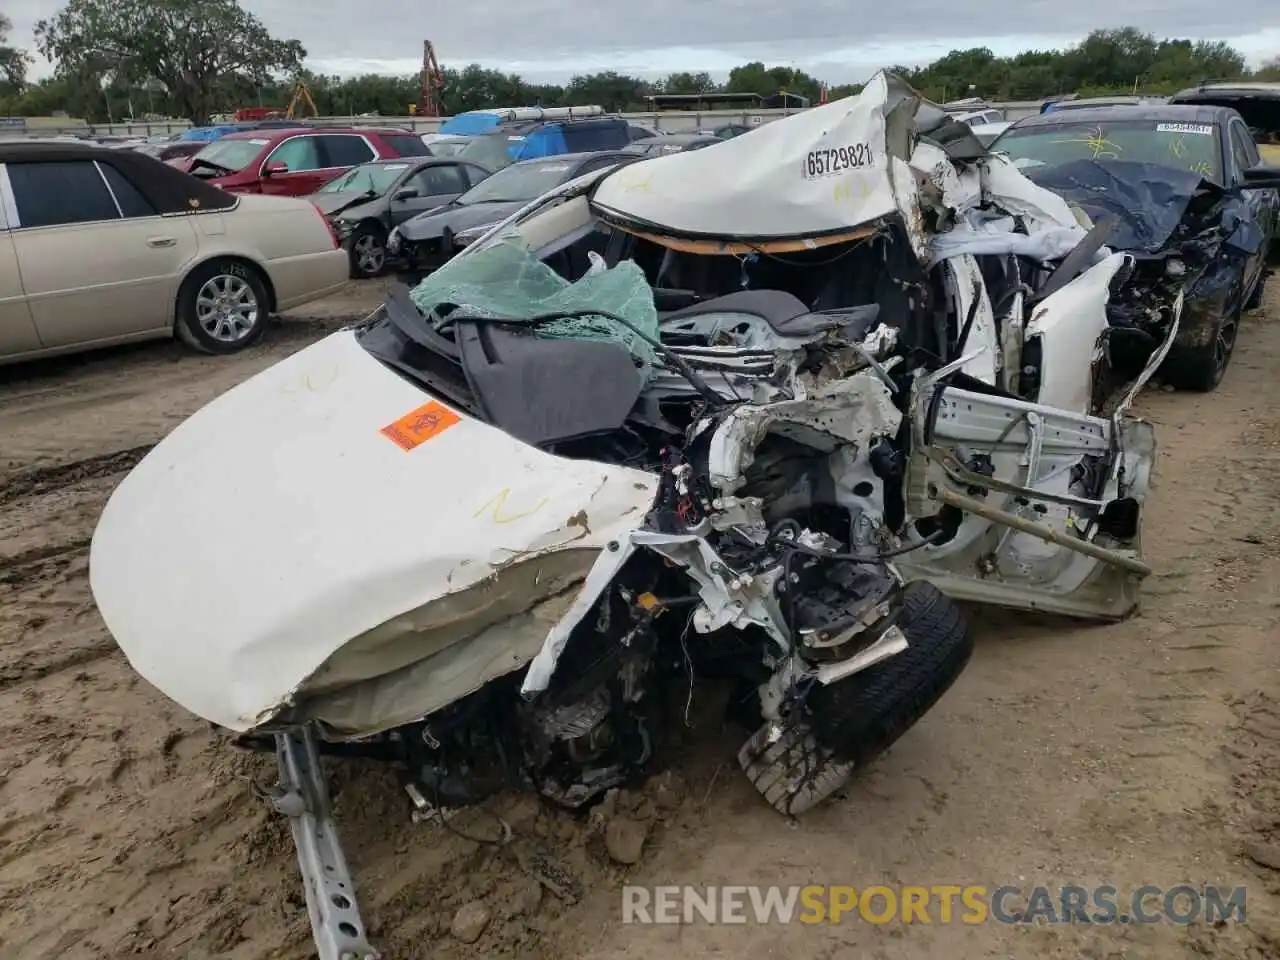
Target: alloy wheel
(371,253)
(227,309)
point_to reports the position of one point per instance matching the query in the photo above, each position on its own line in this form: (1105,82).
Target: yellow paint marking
(632,185)
(499,501)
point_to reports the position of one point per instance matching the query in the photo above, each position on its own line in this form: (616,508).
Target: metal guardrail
(668,121)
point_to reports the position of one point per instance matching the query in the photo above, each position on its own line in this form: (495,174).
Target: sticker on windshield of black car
(1200,129)
(832,161)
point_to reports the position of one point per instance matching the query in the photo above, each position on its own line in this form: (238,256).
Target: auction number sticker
(831,161)
(1200,129)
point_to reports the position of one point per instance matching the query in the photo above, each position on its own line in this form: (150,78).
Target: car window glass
(406,144)
(345,150)
(1194,147)
(434,181)
(596,164)
(1247,144)
(475,174)
(1238,148)
(583,138)
(49,194)
(132,202)
(298,153)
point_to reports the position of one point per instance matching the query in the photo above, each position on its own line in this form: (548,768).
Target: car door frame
(162,288)
(309,180)
(399,212)
(338,169)
(18,333)
(1260,201)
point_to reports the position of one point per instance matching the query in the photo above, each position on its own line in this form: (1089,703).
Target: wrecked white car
(759,412)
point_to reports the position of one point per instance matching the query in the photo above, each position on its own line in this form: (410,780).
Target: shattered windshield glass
(1191,147)
(504,280)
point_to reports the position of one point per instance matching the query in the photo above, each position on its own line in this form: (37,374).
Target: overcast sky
(552,39)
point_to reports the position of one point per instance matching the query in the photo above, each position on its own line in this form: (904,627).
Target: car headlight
(1173,267)
(470,235)
(393,241)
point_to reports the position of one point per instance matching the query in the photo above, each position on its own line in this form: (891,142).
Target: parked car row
(295,161)
(1188,185)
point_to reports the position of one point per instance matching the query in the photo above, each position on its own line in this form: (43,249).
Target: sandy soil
(1144,752)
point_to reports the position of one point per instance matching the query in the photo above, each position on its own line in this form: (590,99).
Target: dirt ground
(1144,752)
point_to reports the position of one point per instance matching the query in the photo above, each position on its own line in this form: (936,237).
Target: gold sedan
(100,247)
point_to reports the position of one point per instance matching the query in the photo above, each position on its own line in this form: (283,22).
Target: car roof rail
(517,114)
(1216,80)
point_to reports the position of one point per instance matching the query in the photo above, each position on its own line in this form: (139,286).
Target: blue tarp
(470,123)
(546,141)
(209,134)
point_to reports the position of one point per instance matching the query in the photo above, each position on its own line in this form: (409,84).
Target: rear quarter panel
(288,239)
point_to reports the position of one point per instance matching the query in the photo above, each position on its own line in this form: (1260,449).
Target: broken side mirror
(407,194)
(274,169)
(1262,176)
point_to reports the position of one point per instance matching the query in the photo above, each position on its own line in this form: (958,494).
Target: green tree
(755,77)
(611,90)
(961,73)
(13,62)
(844,90)
(685,83)
(1111,58)
(199,49)
(230,61)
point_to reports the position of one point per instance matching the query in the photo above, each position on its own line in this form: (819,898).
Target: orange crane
(430,83)
(301,97)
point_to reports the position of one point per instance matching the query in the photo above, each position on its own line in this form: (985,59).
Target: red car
(295,162)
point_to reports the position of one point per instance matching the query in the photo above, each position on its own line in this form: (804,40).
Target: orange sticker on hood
(416,428)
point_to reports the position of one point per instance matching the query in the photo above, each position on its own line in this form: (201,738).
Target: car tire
(1201,369)
(368,251)
(853,721)
(223,306)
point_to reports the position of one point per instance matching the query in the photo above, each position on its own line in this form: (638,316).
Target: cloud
(552,39)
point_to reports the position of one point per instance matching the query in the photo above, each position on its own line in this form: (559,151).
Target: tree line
(194,59)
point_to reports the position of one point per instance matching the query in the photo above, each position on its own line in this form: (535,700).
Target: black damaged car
(1182,188)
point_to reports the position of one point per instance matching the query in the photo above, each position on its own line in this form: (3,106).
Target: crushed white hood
(279,522)
(758,184)
(831,169)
